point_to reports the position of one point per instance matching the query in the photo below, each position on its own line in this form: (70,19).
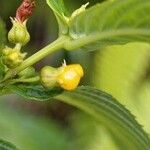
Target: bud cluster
(18,35)
(12,57)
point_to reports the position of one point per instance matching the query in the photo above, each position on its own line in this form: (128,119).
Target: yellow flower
(70,76)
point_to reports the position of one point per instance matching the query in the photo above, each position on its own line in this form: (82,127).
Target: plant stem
(56,45)
(29,80)
(18,46)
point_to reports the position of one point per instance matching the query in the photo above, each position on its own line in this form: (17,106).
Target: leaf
(120,71)
(2,34)
(6,146)
(2,41)
(109,23)
(111,114)
(58,7)
(2,69)
(60,12)
(129,67)
(100,105)
(35,92)
(90,135)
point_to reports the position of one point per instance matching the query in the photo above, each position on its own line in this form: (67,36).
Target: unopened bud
(18,33)
(48,76)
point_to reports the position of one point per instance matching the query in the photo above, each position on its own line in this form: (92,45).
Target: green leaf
(107,110)
(2,41)
(2,69)
(35,92)
(60,12)
(121,71)
(6,145)
(2,34)
(111,114)
(109,23)
(129,67)
(89,134)
(58,7)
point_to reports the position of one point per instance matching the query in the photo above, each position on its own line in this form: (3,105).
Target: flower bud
(48,76)
(66,77)
(18,33)
(70,76)
(25,10)
(27,73)
(12,57)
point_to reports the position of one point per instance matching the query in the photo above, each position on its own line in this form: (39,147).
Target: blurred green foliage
(29,132)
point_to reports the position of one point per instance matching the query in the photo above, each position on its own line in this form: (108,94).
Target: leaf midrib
(74,43)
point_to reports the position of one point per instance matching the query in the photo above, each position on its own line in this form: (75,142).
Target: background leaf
(2,34)
(31,132)
(111,22)
(121,70)
(2,41)
(121,67)
(89,134)
(6,146)
(127,78)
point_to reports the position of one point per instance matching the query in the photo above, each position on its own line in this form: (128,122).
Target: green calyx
(18,32)
(48,76)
